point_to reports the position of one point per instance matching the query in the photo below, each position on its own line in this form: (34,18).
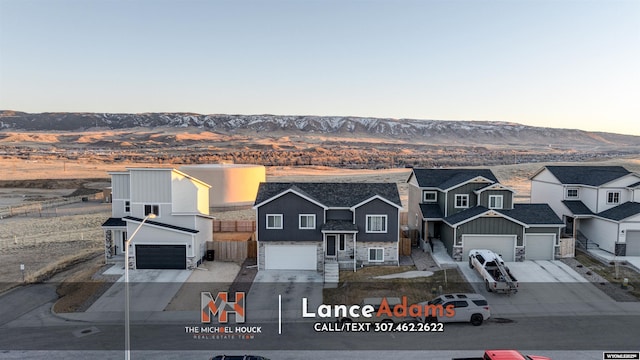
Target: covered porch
(339,243)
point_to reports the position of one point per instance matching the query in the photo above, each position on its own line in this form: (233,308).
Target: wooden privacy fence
(405,246)
(234,226)
(233,250)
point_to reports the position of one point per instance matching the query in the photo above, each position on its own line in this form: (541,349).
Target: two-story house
(176,237)
(303,225)
(469,209)
(601,203)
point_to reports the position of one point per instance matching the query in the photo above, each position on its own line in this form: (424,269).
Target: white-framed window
(429,196)
(274,221)
(462,201)
(496,202)
(307,221)
(572,193)
(151,209)
(613,197)
(376,223)
(376,254)
(127,206)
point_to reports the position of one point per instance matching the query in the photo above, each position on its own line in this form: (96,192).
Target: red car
(505,355)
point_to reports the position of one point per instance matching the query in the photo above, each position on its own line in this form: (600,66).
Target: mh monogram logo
(221,306)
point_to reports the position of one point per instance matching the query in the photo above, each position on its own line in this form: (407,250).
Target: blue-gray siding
(290,206)
(377,207)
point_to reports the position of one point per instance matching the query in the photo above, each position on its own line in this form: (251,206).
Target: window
(376,223)
(341,243)
(307,221)
(152,209)
(613,197)
(274,221)
(127,206)
(429,196)
(462,201)
(495,201)
(572,193)
(376,254)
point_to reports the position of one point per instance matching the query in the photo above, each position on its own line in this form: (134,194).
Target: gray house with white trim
(469,209)
(302,226)
(599,205)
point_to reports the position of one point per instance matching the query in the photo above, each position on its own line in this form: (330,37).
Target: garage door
(161,257)
(504,245)
(539,246)
(291,257)
(633,243)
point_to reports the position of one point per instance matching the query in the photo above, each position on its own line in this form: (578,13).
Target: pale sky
(560,63)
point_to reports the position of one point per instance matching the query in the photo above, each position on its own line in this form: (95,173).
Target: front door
(331,245)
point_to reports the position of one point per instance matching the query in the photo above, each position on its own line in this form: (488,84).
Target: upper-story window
(572,193)
(462,201)
(613,197)
(376,223)
(127,206)
(429,196)
(496,201)
(151,209)
(274,221)
(307,221)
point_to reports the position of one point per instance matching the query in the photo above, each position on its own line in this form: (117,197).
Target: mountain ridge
(432,131)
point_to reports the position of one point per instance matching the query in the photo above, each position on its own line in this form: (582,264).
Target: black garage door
(161,257)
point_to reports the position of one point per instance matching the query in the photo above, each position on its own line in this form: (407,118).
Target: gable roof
(444,179)
(587,175)
(533,214)
(524,214)
(114,222)
(333,195)
(621,211)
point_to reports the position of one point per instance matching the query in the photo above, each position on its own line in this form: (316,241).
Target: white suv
(471,308)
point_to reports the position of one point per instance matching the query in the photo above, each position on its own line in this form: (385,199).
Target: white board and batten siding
(291,257)
(150,186)
(505,245)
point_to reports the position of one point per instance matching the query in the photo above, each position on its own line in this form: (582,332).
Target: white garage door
(633,243)
(291,257)
(539,246)
(504,245)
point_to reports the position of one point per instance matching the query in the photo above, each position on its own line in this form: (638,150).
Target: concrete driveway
(292,286)
(150,290)
(547,288)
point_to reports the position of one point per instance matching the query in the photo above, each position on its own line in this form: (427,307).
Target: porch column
(354,252)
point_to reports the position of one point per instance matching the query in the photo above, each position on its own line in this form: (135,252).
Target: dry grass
(355,286)
(611,274)
(79,288)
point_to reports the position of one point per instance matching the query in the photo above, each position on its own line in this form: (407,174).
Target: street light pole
(127,337)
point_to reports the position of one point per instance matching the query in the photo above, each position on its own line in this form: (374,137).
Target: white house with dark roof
(176,237)
(306,226)
(469,209)
(598,204)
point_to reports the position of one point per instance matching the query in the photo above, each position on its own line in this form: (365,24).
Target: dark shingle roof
(530,214)
(635,185)
(577,207)
(431,211)
(332,194)
(339,225)
(533,214)
(111,222)
(465,215)
(150,222)
(621,211)
(446,178)
(587,175)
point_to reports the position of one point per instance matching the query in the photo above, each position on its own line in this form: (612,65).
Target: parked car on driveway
(471,308)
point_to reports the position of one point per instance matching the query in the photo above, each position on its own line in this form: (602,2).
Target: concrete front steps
(331,274)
